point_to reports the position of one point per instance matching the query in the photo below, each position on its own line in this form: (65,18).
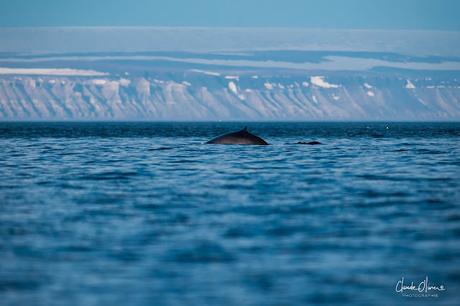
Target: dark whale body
(242,137)
(312,143)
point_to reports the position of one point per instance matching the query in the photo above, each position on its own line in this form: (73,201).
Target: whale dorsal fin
(245,129)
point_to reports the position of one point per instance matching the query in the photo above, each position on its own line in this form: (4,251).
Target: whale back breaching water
(242,137)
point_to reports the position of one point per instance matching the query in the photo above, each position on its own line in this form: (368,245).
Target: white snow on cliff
(368,86)
(320,82)
(99,81)
(232,87)
(51,71)
(212,73)
(268,86)
(409,85)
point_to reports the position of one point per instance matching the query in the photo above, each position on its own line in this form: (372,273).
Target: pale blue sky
(354,14)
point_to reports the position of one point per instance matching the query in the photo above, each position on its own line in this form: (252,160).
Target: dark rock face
(242,137)
(312,143)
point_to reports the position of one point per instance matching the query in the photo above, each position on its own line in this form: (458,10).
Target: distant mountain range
(246,84)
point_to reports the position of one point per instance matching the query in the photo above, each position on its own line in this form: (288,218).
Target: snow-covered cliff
(196,96)
(250,85)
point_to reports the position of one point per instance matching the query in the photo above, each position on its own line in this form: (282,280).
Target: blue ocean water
(147,214)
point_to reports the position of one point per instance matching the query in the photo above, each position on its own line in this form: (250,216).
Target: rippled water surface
(146,214)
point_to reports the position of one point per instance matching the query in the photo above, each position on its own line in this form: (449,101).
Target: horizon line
(183,27)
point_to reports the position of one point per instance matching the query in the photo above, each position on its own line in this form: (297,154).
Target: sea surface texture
(147,214)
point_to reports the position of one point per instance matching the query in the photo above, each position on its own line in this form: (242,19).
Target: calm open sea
(146,214)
